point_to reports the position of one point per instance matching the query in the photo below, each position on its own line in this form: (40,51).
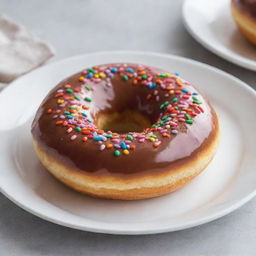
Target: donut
(125,131)
(244,14)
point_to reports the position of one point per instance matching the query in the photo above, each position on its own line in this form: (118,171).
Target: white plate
(228,182)
(211,24)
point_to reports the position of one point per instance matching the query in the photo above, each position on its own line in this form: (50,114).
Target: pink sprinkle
(69,130)
(102,147)
(73,137)
(186,97)
(163,86)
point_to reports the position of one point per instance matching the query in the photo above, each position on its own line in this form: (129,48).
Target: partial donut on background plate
(244,13)
(125,131)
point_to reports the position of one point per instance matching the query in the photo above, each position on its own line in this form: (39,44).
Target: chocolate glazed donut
(125,131)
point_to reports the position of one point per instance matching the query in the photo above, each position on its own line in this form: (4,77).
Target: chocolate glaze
(86,157)
(246,6)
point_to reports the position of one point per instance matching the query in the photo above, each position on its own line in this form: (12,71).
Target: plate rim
(234,59)
(190,224)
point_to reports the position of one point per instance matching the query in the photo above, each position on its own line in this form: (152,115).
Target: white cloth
(20,50)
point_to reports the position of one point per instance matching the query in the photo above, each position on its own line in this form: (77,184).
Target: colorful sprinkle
(87,99)
(179,106)
(117,153)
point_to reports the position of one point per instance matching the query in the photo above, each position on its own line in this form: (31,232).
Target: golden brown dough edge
(140,187)
(246,25)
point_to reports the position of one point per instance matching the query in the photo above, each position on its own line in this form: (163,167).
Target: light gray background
(77,27)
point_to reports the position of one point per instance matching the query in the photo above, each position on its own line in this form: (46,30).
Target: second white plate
(227,183)
(211,24)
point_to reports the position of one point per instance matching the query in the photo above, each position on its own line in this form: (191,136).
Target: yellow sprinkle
(171,92)
(168,74)
(60,101)
(152,139)
(126,152)
(96,75)
(102,75)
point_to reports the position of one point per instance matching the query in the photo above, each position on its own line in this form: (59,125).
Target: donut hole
(123,122)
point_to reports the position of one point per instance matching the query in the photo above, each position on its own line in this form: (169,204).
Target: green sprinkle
(174,99)
(125,77)
(188,116)
(144,77)
(78,129)
(88,99)
(189,121)
(91,70)
(196,100)
(88,88)
(163,75)
(117,153)
(76,97)
(67,112)
(164,105)
(72,107)
(129,137)
(109,135)
(69,90)
(153,135)
(164,117)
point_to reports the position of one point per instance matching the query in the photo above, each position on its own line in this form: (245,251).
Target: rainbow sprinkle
(179,106)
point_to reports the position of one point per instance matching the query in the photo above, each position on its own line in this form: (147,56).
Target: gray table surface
(77,27)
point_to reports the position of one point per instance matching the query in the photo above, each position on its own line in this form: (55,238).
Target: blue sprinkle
(130,70)
(177,74)
(195,93)
(184,90)
(97,138)
(123,145)
(69,116)
(90,75)
(153,85)
(114,70)
(84,114)
(89,120)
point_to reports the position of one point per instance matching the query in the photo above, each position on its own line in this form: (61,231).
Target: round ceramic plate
(227,183)
(211,24)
